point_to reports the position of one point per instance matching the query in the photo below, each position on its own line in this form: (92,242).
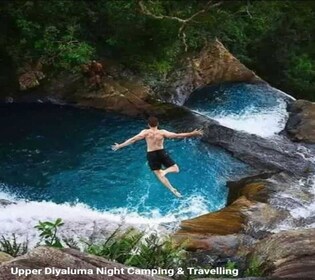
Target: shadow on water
(39,140)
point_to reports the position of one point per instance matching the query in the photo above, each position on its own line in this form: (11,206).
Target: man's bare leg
(172,169)
(166,182)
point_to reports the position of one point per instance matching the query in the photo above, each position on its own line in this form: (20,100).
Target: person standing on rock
(156,155)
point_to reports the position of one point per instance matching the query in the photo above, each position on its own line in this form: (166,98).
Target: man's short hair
(153,121)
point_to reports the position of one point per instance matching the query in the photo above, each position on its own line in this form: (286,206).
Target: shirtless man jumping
(156,154)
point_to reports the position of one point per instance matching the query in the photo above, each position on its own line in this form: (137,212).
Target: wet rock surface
(263,154)
(271,198)
(301,122)
(273,154)
(287,254)
(229,220)
(213,65)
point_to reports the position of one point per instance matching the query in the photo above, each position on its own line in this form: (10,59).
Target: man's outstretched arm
(130,141)
(195,133)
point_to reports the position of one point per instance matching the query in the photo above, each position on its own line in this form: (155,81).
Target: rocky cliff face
(124,92)
(301,123)
(287,254)
(213,65)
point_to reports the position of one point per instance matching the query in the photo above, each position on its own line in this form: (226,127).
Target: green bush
(133,248)
(12,247)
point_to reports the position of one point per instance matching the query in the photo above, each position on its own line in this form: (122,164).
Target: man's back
(154,138)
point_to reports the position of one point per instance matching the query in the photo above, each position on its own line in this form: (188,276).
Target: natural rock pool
(56,161)
(254,108)
(63,155)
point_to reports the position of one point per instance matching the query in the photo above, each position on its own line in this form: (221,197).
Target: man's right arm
(195,133)
(130,141)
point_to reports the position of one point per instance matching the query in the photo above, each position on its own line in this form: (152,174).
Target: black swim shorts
(158,158)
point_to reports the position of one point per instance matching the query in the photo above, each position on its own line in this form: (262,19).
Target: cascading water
(260,109)
(254,108)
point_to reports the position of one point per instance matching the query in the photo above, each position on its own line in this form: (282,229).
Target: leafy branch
(183,22)
(49,232)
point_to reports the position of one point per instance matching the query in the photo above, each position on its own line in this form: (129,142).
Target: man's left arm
(130,141)
(195,133)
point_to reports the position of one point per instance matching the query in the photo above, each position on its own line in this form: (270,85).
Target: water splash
(82,221)
(256,109)
(299,200)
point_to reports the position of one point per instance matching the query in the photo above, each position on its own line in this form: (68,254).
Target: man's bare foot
(176,192)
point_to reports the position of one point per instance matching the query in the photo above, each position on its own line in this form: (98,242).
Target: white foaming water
(307,210)
(83,222)
(264,123)
(302,209)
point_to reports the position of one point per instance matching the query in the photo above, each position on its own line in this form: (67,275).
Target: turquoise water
(63,155)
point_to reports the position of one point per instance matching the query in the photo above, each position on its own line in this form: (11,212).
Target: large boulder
(273,154)
(287,254)
(46,257)
(229,220)
(213,65)
(119,91)
(219,232)
(301,122)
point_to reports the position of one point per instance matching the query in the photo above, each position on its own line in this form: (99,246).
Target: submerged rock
(301,122)
(42,257)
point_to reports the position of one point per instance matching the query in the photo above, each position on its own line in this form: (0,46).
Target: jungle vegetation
(274,38)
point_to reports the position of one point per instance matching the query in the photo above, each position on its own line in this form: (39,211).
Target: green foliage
(62,50)
(48,232)
(301,72)
(41,31)
(254,268)
(231,265)
(12,247)
(135,249)
(274,38)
